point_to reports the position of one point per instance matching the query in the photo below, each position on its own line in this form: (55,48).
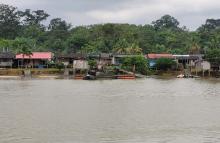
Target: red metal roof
(158,56)
(36,55)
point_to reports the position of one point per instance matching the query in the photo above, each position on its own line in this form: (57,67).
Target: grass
(17,72)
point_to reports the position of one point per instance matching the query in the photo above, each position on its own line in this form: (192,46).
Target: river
(110,111)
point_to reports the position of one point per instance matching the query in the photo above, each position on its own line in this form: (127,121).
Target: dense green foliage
(165,64)
(213,56)
(162,36)
(136,64)
(92,64)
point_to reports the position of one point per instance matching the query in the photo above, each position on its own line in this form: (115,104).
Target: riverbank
(59,74)
(19,72)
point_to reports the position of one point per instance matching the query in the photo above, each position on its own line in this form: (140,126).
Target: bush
(165,64)
(60,66)
(213,56)
(141,64)
(92,64)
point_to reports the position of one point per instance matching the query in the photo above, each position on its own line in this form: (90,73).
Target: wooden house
(6,59)
(35,60)
(68,59)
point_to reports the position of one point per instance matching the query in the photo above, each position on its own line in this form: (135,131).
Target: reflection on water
(117,111)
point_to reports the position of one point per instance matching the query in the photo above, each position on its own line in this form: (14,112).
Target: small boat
(187,76)
(181,76)
(89,77)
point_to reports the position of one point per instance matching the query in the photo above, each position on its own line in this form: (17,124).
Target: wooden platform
(79,77)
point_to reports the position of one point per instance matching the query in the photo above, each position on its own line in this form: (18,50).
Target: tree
(59,29)
(9,21)
(146,38)
(136,64)
(56,37)
(159,49)
(79,37)
(32,31)
(134,49)
(194,46)
(163,36)
(55,45)
(59,24)
(166,21)
(34,17)
(93,47)
(213,56)
(121,47)
(211,24)
(23,46)
(5,45)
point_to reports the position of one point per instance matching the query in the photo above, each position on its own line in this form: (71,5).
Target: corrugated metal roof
(7,55)
(71,56)
(158,56)
(36,55)
(188,57)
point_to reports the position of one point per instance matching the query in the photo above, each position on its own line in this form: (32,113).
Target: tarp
(80,64)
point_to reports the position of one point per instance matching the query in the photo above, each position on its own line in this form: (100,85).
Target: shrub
(60,66)
(165,64)
(140,63)
(213,56)
(92,64)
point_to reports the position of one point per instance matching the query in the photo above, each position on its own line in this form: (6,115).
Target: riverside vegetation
(25,32)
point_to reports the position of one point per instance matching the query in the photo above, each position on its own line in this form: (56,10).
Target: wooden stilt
(196,70)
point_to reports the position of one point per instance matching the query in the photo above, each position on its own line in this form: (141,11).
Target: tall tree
(59,29)
(59,24)
(34,17)
(23,46)
(9,21)
(166,21)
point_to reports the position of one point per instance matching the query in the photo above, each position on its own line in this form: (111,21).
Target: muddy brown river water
(110,111)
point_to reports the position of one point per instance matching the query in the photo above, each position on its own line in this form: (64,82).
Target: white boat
(181,76)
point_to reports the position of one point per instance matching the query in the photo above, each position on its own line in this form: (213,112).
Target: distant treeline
(22,31)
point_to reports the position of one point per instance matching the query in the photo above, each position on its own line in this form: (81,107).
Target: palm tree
(134,49)
(194,47)
(121,47)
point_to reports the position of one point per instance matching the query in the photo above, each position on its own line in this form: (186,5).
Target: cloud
(191,13)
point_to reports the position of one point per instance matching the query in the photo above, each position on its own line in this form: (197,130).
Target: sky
(190,13)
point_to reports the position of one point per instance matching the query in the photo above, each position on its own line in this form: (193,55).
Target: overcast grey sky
(191,13)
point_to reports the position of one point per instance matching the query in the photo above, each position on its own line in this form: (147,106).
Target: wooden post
(196,71)
(134,67)
(18,63)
